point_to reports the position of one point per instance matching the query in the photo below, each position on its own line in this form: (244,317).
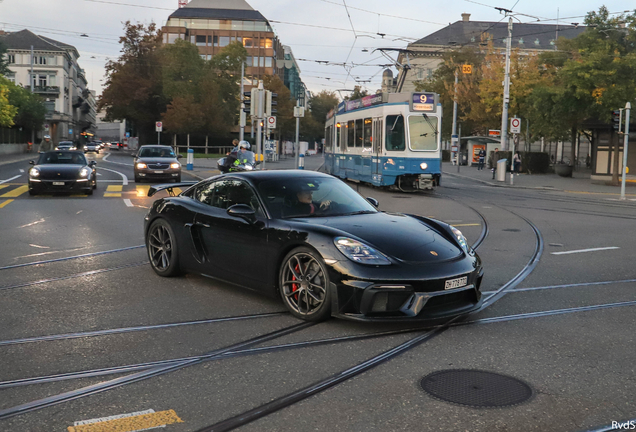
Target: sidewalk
(580,181)
(6,159)
(204,168)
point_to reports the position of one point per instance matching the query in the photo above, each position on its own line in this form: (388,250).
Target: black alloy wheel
(304,285)
(162,249)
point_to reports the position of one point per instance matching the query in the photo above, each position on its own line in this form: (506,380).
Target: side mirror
(374,202)
(134,155)
(31,162)
(242,211)
(179,156)
(92,163)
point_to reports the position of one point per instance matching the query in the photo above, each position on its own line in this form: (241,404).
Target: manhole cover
(476,388)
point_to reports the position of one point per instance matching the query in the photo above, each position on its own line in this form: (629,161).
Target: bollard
(190,160)
(301,161)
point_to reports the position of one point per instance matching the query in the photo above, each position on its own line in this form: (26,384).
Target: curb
(22,159)
(502,185)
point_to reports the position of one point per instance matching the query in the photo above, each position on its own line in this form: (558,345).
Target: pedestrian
(516,161)
(45,144)
(235,148)
(482,158)
(494,158)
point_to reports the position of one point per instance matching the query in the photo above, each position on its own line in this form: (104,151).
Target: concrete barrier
(8,149)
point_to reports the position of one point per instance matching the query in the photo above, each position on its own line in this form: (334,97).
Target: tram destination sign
(423,102)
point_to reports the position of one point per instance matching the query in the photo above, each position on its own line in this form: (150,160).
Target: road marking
(465,225)
(113,191)
(128,202)
(584,250)
(12,178)
(7,202)
(137,421)
(3,186)
(123,176)
(21,170)
(16,192)
(118,163)
(142,191)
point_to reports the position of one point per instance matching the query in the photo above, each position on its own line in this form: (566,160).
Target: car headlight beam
(359,252)
(84,172)
(175,165)
(34,172)
(141,165)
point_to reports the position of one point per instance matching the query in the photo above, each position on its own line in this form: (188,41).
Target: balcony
(45,90)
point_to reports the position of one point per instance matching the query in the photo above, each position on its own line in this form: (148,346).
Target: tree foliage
(4,60)
(312,126)
(7,111)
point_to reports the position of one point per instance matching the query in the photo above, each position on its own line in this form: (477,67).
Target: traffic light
(616,119)
(270,102)
(250,100)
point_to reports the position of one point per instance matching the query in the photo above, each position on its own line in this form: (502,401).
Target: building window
(420,74)
(268,62)
(224,41)
(261,61)
(11,78)
(215,40)
(537,42)
(248,42)
(248,61)
(11,58)
(172,37)
(225,25)
(200,40)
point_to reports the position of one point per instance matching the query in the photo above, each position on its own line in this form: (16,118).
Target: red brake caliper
(295,286)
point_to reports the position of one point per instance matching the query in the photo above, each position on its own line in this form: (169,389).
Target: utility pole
(297,115)
(242,116)
(506,96)
(259,117)
(628,107)
(454,140)
(32,85)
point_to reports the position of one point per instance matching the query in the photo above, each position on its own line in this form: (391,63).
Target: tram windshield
(422,134)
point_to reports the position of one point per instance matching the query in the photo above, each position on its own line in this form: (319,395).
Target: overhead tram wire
(383,14)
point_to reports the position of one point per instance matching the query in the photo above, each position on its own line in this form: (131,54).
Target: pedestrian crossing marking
(113,191)
(15,192)
(3,186)
(6,203)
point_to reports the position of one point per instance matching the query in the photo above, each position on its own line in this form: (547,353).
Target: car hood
(157,160)
(61,171)
(396,235)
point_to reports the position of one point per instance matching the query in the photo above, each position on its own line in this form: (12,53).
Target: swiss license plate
(158,172)
(456,283)
(58,183)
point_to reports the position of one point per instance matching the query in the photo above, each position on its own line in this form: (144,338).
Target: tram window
(328,133)
(359,133)
(395,133)
(338,135)
(368,128)
(350,134)
(422,133)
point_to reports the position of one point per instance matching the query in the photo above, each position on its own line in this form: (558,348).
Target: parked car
(156,162)
(62,171)
(312,240)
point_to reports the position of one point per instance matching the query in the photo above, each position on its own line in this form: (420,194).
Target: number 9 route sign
(423,102)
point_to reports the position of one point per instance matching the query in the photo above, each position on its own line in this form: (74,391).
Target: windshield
(422,133)
(245,156)
(156,152)
(310,197)
(61,158)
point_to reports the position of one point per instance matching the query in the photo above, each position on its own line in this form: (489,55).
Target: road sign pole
(506,96)
(628,107)
(454,132)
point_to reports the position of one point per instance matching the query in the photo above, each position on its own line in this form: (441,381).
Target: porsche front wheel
(162,249)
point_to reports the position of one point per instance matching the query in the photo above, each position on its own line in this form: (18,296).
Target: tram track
(91,373)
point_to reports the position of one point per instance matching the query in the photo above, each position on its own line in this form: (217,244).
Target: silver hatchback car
(157,162)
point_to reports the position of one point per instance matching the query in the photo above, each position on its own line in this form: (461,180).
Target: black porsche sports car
(315,242)
(62,171)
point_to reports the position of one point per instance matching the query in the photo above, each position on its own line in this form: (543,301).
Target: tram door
(376,165)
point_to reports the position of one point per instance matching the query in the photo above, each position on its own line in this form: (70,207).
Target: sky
(316,30)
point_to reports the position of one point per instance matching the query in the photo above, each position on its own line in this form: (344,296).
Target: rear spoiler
(169,187)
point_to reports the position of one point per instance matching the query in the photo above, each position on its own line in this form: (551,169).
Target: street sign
(454,149)
(494,133)
(515,125)
(467,69)
(271,122)
(127,134)
(70,131)
(299,111)
(158,127)
(46,126)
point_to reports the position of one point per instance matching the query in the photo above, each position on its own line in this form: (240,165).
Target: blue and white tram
(389,139)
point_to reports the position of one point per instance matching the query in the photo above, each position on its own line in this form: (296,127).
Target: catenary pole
(628,107)
(32,85)
(454,140)
(259,119)
(242,112)
(506,97)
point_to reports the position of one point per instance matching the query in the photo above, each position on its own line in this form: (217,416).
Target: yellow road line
(130,424)
(142,191)
(463,225)
(3,186)
(114,188)
(595,193)
(16,192)
(7,202)
(112,195)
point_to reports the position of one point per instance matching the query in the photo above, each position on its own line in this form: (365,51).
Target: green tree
(313,124)
(133,89)
(30,108)
(4,61)
(182,69)
(285,120)
(357,93)
(7,111)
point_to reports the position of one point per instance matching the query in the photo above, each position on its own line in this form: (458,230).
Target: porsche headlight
(175,165)
(34,172)
(359,252)
(423,165)
(84,172)
(141,165)
(460,238)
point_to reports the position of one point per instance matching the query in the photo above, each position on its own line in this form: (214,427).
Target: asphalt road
(566,328)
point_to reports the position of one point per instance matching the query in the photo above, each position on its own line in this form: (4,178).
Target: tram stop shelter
(471,146)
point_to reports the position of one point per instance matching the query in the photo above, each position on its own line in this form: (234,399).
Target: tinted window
(350,134)
(226,193)
(61,158)
(359,133)
(395,133)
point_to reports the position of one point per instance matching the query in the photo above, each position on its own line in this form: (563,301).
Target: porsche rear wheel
(304,285)
(162,249)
